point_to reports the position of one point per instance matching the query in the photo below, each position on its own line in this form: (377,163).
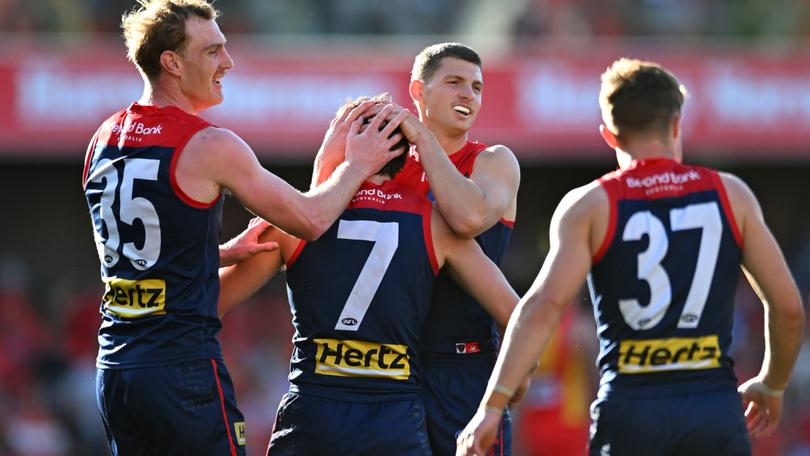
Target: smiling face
(449,101)
(203,63)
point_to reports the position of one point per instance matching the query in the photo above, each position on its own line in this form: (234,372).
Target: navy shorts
(315,426)
(710,424)
(179,409)
(452,391)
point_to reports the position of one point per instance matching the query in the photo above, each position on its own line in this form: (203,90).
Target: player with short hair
(475,188)
(153,178)
(359,297)
(661,244)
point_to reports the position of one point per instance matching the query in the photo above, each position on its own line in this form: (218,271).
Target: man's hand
(369,147)
(333,147)
(246,244)
(764,407)
(413,129)
(479,434)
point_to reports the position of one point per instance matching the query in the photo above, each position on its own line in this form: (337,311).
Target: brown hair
(394,165)
(639,97)
(158,26)
(427,62)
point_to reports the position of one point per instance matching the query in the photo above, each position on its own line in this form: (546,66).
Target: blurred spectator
(553,419)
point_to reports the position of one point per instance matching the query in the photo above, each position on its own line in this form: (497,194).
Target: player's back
(663,281)
(158,247)
(359,295)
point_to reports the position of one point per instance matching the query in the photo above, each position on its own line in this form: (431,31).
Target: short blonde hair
(157,26)
(639,97)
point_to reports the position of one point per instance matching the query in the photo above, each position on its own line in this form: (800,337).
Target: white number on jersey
(130,209)
(703,216)
(385,236)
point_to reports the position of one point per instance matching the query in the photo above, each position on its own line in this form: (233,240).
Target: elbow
(312,228)
(789,316)
(468,225)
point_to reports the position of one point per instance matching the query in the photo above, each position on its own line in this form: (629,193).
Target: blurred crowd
(524,20)
(48,343)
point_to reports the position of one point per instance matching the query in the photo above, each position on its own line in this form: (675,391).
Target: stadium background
(62,70)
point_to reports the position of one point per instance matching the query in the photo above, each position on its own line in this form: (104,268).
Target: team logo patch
(358,358)
(239,431)
(467,347)
(135,298)
(658,355)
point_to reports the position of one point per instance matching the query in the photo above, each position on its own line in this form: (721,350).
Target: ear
(416,89)
(609,137)
(675,126)
(170,62)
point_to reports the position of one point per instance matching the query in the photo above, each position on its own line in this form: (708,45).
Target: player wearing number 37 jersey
(661,244)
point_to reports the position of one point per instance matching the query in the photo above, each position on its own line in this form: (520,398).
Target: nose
(467,92)
(227,61)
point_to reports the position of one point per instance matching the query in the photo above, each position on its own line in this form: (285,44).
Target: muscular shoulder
(583,211)
(213,157)
(497,158)
(587,199)
(741,198)
(215,141)
(217,150)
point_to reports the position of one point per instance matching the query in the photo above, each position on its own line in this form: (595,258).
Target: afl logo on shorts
(349,321)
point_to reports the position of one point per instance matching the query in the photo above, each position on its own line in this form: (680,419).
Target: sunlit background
(63,70)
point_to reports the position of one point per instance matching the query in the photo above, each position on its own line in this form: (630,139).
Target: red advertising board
(544,106)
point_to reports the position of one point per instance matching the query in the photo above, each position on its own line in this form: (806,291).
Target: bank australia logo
(358,358)
(134,298)
(677,353)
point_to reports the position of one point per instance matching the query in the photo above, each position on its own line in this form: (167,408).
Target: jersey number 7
(385,236)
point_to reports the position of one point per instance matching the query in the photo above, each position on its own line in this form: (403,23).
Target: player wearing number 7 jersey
(359,297)
(153,179)
(661,244)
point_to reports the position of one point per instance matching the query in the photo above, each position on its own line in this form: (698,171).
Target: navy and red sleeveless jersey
(663,281)
(457,324)
(359,296)
(159,249)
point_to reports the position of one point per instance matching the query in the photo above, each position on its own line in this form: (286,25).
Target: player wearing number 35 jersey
(661,244)
(153,177)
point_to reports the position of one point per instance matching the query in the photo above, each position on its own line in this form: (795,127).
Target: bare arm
(768,273)
(332,150)
(474,272)
(470,205)
(246,244)
(217,158)
(538,313)
(241,280)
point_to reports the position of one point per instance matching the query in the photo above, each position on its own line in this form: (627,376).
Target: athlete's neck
(645,150)
(161,96)
(451,141)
